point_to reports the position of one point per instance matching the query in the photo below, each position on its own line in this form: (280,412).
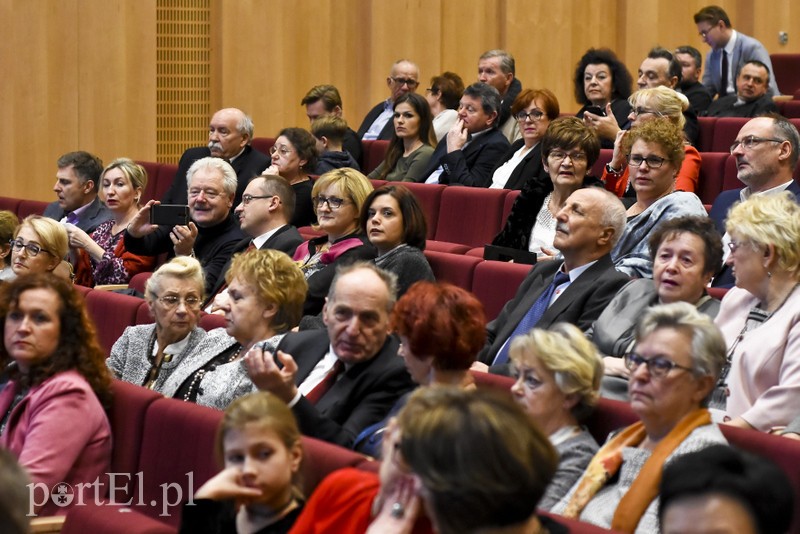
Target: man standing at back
(730,50)
(325,101)
(229,136)
(77,181)
(497,68)
(404,78)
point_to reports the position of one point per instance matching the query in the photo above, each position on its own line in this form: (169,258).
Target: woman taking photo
(655,152)
(53,408)
(395,224)
(569,149)
(293,155)
(38,245)
(102,257)
(674,365)
(602,81)
(760,317)
(558,374)
(443,97)
(646,104)
(534,109)
(410,148)
(339,197)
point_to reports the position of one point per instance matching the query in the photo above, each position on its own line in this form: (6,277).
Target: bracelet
(612,170)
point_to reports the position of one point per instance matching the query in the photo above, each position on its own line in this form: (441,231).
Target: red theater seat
(786,68)
(112,313)
(470,215)
(599,165)
(496,282)
(429,197)
(166,175)
(712,175)
(262,144)
(725,131)
(10,204)
(152,169)
(374,154)
(454,268)
(706,138)
(30,207)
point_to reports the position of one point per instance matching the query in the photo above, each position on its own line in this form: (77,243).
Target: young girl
(258,443)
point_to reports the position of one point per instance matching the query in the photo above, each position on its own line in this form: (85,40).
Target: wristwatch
(612,170)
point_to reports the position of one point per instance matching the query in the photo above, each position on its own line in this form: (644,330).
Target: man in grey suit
(77,182)
(730,50)
(576,290)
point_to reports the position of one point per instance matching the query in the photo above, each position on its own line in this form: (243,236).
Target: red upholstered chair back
(725,131)
(112,313)
(30,207)
(470,215)
(139,281)
(10,204)
(210,321)
(152,169)
(496,282)
(599,165)
(454,268)
(706,138)
(263,144)
(166,175)
(490,381)
(609,415)
(374,154)
(786,68)
(429,197)
(321,458)
(712,175)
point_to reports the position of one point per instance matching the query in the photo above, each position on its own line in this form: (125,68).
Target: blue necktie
(532,317)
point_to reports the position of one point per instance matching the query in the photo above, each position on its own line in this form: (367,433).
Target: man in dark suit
(766,151)
(211,234)
(324,101)
(474,145)
(77,183)
(340,380)
(751,98)
(498,69)
(229,136)
(264,213)
(575,290)
(691,69)
(378,123)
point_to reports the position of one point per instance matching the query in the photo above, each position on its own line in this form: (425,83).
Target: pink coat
(60,433)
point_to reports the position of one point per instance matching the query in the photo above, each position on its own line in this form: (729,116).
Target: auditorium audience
(602,81)
(691,68)
(394,222)
(522,163)
(410,147)
(229,135)
(404,78)
(751,98)
(8,225)
(258,490)
(102,257)
(77,183)
(441,329)
(655,149)
(325,101)
(723,489)
(339,196)
(498,69)
(54,405)
(568,151)
(658,102)
(38,245)
(686,252)
(760,317)
(329,131)
(558,375)
(675,363)
(294,156)
(443,96)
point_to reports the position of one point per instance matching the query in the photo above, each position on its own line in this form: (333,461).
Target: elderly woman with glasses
(655,152)
(294,154)
(339,197)
(647,104)
(760,317)
(674,365)
(38,245)
(533,109)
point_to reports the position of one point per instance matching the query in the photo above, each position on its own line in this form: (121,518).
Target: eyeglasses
(171,301)
(654,162)
(210,194)
(247,199)
(410,82)
(432,90)
(643,111)
(752,141)
(285,151)
(735,245)
(32,248)
(333,203)
(559,155)
(534,116)
(657,366)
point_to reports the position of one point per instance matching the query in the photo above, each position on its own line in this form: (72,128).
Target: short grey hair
(229,179)
(708,347)
(181,267)
(507,63)
(490,98)
(245,126)
(388,278)
(613,213)
(786,130)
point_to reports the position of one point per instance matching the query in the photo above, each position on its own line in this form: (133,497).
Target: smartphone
(595,110)
(169,214)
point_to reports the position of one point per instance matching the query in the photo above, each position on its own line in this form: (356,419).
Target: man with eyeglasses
(212,233)
(403,79)
(77,181)
(325,101)
(751,98)
(229,134)
(766,151)
(498,69)
(730,50)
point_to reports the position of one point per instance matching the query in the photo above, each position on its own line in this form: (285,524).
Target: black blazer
(472,165)
(580,304)
(530,168)
(386,133)
(248,165)
(361,397)
(286,239)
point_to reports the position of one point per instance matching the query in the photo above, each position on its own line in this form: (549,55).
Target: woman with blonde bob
(558,374)
(38,245)
(338,198)
(258,444)
(646,104)
(760,317)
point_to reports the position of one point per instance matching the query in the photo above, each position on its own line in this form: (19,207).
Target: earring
(769,274)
